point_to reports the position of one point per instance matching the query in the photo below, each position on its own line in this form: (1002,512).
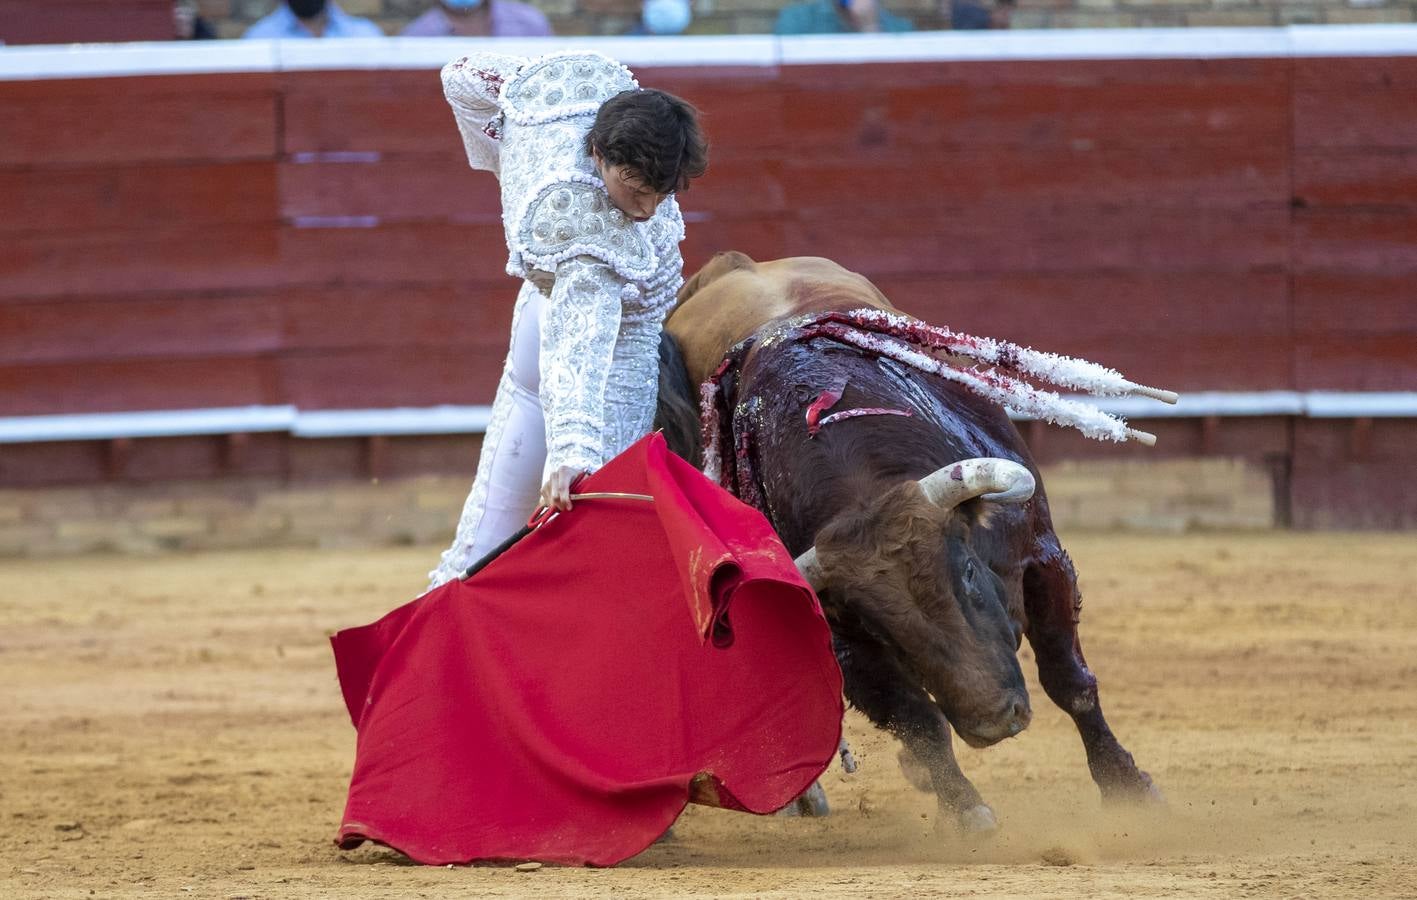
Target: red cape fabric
(567,701)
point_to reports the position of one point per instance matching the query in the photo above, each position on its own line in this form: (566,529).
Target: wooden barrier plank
(58,462)
(412,252)
(742,117)
(1329,303)
(140,326)
(1370,362)
(1253,437)
(32,390)
(1356,177)
(736,185)
(1335,485)
(115,120)
(1376,116)
(377,111)
(56,264)
(475,318)
(1218,177)
(144,459)
(404,188)
(377,378)
(471,318)
(453,454)
(1354,73)
(1369,241)
(1112,305)
(137,197)
(38,266)
(1075,239)
(1214,362)
(86,263)
(1069,113)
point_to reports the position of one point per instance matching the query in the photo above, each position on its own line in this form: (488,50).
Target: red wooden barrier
(315,238)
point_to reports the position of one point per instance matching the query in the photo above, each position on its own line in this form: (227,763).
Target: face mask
(462,5)
(306,9)
(666,16)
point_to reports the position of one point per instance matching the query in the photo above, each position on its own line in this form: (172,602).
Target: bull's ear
(989,478)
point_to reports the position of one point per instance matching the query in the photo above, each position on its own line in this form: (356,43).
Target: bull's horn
(1141,390)
(989,478)
(811,569)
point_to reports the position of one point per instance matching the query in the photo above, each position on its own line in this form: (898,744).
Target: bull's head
(906,564)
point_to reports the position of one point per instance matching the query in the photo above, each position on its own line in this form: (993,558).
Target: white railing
(330,423)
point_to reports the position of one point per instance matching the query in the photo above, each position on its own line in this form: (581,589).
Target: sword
(541,517)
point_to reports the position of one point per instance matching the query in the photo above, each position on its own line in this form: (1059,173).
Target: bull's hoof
(978,821)
(1138,791)
(812,802)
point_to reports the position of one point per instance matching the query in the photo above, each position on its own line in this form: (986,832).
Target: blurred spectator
(663,17)
(190,26)
(977,15)
(311,19)
(838,17)
(480,18)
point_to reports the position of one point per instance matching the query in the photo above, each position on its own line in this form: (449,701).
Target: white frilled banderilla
(995,370)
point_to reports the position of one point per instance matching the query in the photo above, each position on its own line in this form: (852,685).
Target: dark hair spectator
(977,15)
(299,19)
(188,25)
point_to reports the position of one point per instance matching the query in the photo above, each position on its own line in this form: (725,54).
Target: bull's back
(732,297)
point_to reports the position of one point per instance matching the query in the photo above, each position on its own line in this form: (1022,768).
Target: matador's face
(628,190)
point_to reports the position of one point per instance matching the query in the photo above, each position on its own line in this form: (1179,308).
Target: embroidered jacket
(610,280)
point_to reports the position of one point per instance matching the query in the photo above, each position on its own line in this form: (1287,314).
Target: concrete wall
(168,516)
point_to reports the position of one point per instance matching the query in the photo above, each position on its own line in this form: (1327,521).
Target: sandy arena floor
(172,727)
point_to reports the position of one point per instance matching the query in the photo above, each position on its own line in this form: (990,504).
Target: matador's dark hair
(654,133)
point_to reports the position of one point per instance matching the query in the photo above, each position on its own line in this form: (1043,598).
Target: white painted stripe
(408,420)
(161,423)
(1203,403)
(473,419)
(101,60)
(1105,43)
(397,53)
(137,58)
(1354,40)
(1326,405)
(1081,43)
(432,53)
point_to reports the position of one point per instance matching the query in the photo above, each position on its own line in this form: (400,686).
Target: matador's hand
(556,492)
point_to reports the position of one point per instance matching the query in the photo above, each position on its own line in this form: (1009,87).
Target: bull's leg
(889,697)
(1052,602)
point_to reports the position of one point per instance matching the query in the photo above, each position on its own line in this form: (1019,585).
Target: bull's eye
(969,575)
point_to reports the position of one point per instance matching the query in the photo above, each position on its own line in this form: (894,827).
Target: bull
(917,511)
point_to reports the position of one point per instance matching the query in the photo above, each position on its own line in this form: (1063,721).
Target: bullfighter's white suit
(581,378)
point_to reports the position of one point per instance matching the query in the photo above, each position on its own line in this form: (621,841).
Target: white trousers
(507,486)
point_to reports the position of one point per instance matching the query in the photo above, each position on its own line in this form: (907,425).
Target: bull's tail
(677,413)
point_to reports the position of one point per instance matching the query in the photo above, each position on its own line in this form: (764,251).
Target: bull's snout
(1017,715)
(1012,717)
